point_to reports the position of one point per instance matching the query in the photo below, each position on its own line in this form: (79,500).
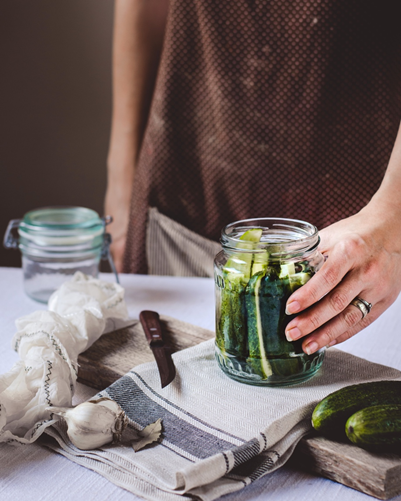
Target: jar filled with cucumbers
(262,263)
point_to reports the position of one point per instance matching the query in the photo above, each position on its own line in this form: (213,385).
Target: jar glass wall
(262,263)
(43,275)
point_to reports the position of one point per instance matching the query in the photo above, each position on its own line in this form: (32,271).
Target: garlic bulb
(94,423)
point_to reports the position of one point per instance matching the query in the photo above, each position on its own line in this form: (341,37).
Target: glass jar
(262,263)
(55,242)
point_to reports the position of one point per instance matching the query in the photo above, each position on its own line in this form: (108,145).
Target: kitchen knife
(150,321)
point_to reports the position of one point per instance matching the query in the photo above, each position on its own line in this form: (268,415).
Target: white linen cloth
(218,435)
(48,343)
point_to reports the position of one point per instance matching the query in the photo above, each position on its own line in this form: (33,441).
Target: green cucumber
(224,327)
(376,428)
(238,321)
(271,295)
(295,279)
(274,293)
(259,261)
(331,414)
(241,266)
(231,335)
(286,358)
(257,351)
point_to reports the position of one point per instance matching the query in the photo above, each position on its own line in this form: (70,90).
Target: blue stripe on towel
(143,410)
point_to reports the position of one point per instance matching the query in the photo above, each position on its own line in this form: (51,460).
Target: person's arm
(364,260)
(139,27)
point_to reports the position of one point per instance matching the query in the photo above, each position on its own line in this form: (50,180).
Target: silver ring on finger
(363,306)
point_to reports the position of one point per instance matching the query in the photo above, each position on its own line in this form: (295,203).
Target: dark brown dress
(268,108)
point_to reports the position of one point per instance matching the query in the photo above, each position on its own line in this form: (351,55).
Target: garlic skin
(94,423)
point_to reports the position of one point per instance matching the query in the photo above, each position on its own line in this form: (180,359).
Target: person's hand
(363,260)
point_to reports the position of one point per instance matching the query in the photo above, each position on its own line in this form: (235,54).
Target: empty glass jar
(262,263)
(55,242)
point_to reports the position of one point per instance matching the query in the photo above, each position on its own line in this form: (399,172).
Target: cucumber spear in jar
(232,330)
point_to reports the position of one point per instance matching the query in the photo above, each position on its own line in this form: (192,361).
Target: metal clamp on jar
(55,242)
(262,263)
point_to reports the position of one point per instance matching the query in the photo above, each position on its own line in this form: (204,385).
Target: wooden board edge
(374,479)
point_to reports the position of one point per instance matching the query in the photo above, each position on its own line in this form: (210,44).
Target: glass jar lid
(60,226)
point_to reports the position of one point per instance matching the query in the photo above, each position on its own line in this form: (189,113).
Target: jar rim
(61,226)
(62,218)
(280,236)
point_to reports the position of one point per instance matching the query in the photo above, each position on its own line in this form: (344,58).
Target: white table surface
(34,473)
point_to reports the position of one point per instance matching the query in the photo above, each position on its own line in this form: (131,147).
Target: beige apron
(172,249)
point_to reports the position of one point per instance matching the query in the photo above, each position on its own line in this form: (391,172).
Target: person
(236,109)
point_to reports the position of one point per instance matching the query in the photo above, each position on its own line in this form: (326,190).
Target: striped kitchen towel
(219,435)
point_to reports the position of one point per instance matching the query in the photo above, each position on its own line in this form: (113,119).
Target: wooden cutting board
(114,354)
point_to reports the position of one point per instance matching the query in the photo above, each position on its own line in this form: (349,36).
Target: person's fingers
(334,303)
(336,331)
(342,327)
(340,262)
(347,323)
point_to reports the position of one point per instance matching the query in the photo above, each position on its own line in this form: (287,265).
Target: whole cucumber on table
(376,428)
(331,414)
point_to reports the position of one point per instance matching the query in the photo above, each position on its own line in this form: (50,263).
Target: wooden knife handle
(150,321)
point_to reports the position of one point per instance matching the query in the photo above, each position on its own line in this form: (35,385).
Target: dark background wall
(55,106)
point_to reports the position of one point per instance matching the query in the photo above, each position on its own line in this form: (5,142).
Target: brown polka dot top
(268,108)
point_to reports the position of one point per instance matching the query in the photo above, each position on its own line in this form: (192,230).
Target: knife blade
(150,321)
